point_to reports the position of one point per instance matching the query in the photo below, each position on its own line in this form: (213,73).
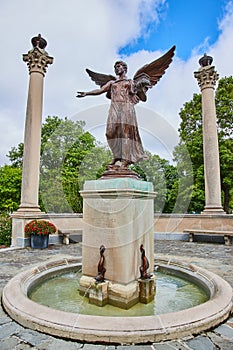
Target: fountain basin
(62,292)
(117,330)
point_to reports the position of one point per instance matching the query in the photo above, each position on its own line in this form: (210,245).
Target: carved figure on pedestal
(122,130)
(101,269)
(145,264)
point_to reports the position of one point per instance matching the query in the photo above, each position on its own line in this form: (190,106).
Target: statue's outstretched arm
(95,92)
(103,80)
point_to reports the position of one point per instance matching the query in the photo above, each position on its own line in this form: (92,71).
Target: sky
(94,34)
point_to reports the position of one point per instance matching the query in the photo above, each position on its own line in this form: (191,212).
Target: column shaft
(211,151)
(32,143)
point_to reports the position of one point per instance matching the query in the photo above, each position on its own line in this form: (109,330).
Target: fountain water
(173,293)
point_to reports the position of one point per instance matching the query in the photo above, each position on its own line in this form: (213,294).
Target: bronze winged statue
(122,130)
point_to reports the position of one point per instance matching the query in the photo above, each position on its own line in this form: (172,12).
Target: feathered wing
(149,75)
(101,79)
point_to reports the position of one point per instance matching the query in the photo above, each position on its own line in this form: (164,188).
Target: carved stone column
(207,77)
(37,60)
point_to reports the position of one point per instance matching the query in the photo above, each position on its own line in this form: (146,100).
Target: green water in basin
(173,293)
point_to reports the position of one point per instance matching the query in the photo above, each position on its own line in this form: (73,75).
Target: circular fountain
(117,214)
(110,329)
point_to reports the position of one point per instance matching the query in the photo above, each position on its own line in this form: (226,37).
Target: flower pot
(39,241)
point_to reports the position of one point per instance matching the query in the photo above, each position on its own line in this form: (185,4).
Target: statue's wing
(149,75)
(101,79)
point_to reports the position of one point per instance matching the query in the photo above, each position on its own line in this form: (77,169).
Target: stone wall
(169,225)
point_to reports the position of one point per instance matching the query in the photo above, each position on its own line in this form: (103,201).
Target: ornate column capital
(37,60)
(206,77)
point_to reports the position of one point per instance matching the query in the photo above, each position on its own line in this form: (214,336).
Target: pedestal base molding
(213,210)
(116,294)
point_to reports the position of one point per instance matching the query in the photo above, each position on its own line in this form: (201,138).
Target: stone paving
(217,258)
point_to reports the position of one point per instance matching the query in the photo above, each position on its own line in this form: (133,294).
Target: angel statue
(122,130)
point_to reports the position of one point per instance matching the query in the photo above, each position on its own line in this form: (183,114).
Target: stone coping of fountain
(117,330)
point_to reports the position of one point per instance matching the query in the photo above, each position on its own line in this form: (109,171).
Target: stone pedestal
(123,296)
(98,294)
(146,290)
(118,213)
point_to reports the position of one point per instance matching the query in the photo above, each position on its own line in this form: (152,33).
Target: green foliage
(10,186)
(94,163)
(182,188)
(16,156)
(48,128)
(224,107)
(5,230)
(224,110)
(191,139)
(64,147)
(70,156)
(162,175)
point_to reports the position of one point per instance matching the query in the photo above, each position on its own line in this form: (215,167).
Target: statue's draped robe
(122,130)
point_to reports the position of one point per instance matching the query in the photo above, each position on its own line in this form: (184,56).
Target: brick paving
(217,258)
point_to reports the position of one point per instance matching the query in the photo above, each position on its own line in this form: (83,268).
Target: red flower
(39,227)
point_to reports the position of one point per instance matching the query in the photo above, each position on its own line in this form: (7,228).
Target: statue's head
(102,249)
(122,63)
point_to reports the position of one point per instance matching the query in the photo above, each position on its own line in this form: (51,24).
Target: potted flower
(39,231)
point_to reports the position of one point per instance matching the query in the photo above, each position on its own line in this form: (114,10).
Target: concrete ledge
(166,226)
(226,234)
(118,329)
(178,236)
(174,236)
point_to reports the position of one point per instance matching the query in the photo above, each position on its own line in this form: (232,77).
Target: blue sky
(94,34)
(185,23)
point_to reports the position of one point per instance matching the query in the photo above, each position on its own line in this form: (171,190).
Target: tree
(172,184)
(162,175)
(69,156)
(224,110)
(64,151)
(191,139)
(15,155)
(10,186)
(189,158)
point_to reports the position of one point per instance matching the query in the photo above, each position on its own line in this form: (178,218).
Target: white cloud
(84,34)
(222,50)
(11,132)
